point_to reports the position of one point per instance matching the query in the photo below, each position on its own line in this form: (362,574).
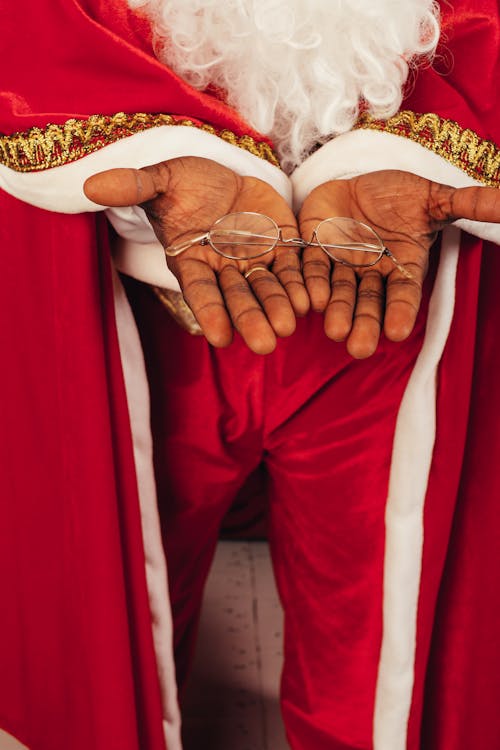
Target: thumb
(123,187)
(476,203)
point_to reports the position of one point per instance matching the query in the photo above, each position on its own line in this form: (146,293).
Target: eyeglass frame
(173,251)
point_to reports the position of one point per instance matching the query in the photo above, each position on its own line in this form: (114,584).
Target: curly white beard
(296,70)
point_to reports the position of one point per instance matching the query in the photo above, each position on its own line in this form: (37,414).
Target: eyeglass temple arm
(173,250)
(398,265)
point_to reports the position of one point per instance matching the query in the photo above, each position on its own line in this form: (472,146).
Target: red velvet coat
(77,667)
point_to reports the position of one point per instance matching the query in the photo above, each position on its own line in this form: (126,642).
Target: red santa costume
(382,475)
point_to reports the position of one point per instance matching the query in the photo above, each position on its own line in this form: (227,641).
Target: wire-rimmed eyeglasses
(246,235)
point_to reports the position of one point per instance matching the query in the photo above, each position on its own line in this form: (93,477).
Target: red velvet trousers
(322,426)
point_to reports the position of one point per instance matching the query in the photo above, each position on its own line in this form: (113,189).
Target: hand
(407,212)
(182,198)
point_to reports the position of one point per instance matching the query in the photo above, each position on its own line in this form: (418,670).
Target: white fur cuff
(362,151)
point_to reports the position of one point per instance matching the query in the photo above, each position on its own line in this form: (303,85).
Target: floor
(232,698)
(9,743)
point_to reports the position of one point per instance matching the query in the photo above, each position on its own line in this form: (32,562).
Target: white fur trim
(361,151)
(61,188)
(411,459)
(144,261)
(136,385)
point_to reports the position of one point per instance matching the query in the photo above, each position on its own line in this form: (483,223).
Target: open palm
(407,212)
(182,198)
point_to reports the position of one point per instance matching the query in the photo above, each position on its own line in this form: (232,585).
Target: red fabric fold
(67,58)
(77,668)
(463,81)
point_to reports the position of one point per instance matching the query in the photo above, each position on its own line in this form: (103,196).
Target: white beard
(296,70)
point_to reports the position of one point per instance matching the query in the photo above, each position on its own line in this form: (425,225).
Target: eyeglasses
(246,235)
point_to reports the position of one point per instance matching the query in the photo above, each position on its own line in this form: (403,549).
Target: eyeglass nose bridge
(292,241)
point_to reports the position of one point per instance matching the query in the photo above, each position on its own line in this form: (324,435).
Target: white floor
(232,697)
(9,743)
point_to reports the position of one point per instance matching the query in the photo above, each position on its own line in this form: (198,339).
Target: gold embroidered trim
(178,308)
(55,145)
(460,146)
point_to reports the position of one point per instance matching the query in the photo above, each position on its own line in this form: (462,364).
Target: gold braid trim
(178,308)
(55,145)
(460,146)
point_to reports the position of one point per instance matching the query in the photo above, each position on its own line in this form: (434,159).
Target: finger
(246,313)
(273,299)
(403,297)
(368,316)
(316,268)
(475,203)
(340,311)
(201,292)
(127,187)
(288,269)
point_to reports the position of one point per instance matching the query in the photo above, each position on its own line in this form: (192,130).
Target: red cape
(77,668)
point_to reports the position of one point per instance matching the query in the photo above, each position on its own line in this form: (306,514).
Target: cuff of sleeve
(60,188)
(138,253)
(364,150)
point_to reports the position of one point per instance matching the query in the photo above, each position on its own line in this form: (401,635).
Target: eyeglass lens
(349,241)
(245,235)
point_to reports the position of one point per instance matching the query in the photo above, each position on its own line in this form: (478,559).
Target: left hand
(407,212)
(182,198)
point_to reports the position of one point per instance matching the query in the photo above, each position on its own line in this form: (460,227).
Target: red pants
(322,427)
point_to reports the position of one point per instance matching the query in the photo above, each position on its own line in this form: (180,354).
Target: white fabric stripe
(411,460)
(156,572)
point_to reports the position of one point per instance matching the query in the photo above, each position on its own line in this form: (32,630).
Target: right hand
(407,212)
(182,198)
